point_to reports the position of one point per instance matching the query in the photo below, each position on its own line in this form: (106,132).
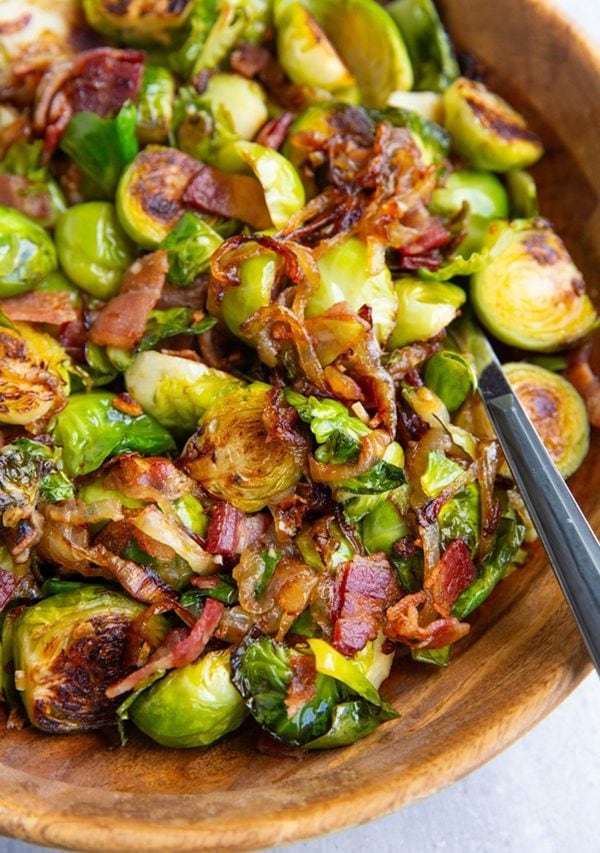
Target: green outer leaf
(451,376)
(270,559)
(225,591)
(351,721)
(428,43)
(190,245)
(333,427)
(440,473)
(172,321)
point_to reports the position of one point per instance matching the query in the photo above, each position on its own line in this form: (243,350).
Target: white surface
(540,796)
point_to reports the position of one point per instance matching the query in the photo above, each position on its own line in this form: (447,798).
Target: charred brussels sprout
(486,130)
(155,105)
(176,391)
(234,457)
(367,42)
(149,194)
(27,254)
(91,428)
(144,24)
(67,650)
(93,249)
(347,276)
(556,410)
(529,293)
(424,309)
(192,706)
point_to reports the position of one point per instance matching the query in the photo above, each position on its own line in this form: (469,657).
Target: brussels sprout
(233,456)
(33,181)
(306,54)
(427,105)
(143,24)
(459,518)
(236,101)
(257,277)
(165,324)
(27,255)
(68,649)
(192,706)
(367,42)
(529,293)
(33,375)
(361,495)
(485,198)
(176,391)
(347,276)
(424,309)
(284,192)
(451,377)
(90,429)
(92,248)
(556,410)
(263,670)
(30,471)
(150,192)
(337,431)
(522,193)
(429,47)
(440,473)
(190,246)
(232,22)
(101,147)
(486,130)
(382,527)
(155,105)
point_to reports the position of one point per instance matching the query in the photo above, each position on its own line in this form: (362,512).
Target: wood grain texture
(522,657)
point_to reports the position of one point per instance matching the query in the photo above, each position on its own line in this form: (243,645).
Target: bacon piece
(450,576)
(403,624)
(38,307)
(580,373)
(367,586)
(100,81)
(249,59)
(8,584)
(274,132)
(122,321)
(302,687)
(231,196)
(26,196)
(231,531)
(184,652)
(149,478)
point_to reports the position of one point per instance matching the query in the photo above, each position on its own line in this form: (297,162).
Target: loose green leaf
(337,431)
(172,321)
(440,473)
(190,246)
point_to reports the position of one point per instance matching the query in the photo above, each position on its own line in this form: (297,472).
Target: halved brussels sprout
(306,54)
(485,198)
(522,192)
(192,706)
(429,46)
(367,42)
(33,376)
(68,649)
(240,103)
(93,249)
(176,391)
(488,131)
(451,377)
(556,410)
(155,105)
(257,277)
(424,309)
(284,192)
(347,275)
(27,254)
(529,293)
(91,429)
(142,24)
(150,191)
(234,457)
(224,24)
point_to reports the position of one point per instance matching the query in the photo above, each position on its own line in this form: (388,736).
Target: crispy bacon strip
(231,531)
(452,574)
(232,196)
(8,584)
(184,652)
(367,586)
(38,307)
(274,132)
(122,321)
(403,624)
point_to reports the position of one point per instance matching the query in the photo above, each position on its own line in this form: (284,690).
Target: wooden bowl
(523,656)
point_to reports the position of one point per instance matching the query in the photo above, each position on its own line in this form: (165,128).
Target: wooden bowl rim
(31,819)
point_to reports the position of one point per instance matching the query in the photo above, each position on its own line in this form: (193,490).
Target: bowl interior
(522,657)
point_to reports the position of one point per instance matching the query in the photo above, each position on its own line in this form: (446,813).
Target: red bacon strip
(231,531)
(184,652)
(38,307)
(231,196)
(452,574)
(122,321)
(8,584)
(366,588)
